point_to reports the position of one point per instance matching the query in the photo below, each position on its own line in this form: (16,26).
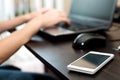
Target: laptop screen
(92,11)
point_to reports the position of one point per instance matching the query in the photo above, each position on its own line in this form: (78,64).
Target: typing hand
(63,24)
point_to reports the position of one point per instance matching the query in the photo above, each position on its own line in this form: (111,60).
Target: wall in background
(67,4)
(1,10)
(12,8)
(118,4)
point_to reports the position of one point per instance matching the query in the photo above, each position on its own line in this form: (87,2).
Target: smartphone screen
(91,60)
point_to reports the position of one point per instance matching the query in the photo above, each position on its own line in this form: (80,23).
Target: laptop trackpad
(56,31)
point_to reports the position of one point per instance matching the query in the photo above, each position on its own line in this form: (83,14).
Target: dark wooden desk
(57,55)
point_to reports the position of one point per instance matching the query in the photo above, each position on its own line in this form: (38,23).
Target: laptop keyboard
(78,26)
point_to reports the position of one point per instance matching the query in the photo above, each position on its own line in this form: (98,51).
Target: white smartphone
(91,62)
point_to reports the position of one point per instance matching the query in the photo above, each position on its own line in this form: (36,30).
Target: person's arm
(10,44)
(18,38)
(12,23)
(9,24)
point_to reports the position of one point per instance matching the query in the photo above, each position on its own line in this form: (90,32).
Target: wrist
(27,17)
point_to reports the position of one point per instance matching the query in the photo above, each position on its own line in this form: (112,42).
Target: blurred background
(12,8)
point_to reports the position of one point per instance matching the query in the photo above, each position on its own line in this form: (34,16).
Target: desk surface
(57,55)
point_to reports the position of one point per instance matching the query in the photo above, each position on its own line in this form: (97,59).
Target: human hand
(52,17)
(47,19)
(44,20)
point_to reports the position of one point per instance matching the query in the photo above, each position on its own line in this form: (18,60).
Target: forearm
(12,23)
(10,44)
(6,25)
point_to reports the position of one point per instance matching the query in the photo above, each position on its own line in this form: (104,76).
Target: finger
(44,10)
(65,19)
(63,14)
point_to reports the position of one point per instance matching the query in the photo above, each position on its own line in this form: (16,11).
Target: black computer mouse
(88,41)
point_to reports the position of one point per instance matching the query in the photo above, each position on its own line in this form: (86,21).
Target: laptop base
(57,38)
(66,36)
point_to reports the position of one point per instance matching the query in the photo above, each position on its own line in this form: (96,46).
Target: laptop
(85,16)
